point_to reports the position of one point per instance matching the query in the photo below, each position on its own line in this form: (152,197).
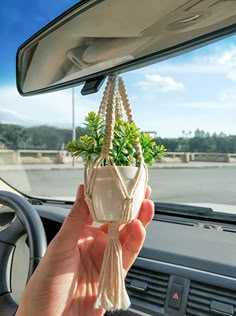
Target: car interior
(187,265)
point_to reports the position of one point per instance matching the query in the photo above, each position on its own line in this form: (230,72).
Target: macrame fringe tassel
(112,293)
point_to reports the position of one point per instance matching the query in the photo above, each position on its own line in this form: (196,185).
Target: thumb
(76,220)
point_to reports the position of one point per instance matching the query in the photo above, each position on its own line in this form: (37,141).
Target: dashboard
(186,266)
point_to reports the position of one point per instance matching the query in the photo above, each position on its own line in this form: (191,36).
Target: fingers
(135,237)
(148,192)
(90,220)
(145,216)
(133,234)
(76,220)
(146,212)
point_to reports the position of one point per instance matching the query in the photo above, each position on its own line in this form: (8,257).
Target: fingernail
(80,192)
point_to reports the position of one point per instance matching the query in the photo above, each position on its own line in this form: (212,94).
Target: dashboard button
(175,296)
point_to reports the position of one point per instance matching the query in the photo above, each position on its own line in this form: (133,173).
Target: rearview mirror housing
(97,38)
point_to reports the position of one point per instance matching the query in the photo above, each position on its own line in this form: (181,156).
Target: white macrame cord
(112,294)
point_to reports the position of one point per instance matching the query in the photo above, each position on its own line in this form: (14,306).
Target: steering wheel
(26,220)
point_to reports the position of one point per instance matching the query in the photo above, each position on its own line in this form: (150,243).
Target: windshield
(186,103)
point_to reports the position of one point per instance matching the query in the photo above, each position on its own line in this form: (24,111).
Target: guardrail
(213,157)
(63,157)
(34,157)
(198,156)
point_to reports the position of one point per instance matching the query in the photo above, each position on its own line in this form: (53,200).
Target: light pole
(73,122)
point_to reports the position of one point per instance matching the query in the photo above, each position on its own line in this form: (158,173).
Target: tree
(12,136)
(197,133)
(202,133)
(53,138)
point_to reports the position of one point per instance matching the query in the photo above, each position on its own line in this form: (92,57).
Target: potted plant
(123,153)
(115,153)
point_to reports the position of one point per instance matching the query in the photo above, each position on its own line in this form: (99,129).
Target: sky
(196,90)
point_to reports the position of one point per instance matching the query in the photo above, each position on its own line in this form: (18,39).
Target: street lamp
(73,122)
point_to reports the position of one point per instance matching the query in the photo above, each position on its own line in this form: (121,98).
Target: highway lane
(196,185)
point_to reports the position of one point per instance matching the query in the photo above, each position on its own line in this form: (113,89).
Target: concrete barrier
(39,157)
(212,157)
(63,157)
(199,157)
(8,157)
(29,157)
(177,157)
(232,157)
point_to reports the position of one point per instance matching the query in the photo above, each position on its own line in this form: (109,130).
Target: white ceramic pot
(107,198)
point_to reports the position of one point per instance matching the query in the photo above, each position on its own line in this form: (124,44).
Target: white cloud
(189,67)
(232,75)
(52,108)
(156,82)
(170,121)
(210,105)
(229,96)
(221,60)
(7,112)
(227,57)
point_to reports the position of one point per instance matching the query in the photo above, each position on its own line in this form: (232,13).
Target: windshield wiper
(191,211)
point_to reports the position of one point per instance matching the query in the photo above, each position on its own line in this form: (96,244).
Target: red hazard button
(175,296)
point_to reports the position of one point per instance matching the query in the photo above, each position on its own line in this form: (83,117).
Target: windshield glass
(186,103)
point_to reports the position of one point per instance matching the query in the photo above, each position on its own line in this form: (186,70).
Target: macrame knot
(129,199)
(113,230)
(128,203)
(106,150)
(127,215)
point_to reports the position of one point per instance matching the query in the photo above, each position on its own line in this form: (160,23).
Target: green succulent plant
(126,137)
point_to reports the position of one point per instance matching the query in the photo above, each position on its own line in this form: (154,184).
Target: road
(182,185)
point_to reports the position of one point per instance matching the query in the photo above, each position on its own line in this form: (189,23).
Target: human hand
(66,281)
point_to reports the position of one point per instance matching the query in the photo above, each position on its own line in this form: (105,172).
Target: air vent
(154,286)
(217,227)
(209,226)
(203,297)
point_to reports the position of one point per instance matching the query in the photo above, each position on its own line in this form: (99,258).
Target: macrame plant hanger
(112,293)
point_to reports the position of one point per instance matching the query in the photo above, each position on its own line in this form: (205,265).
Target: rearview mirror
(97,38)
